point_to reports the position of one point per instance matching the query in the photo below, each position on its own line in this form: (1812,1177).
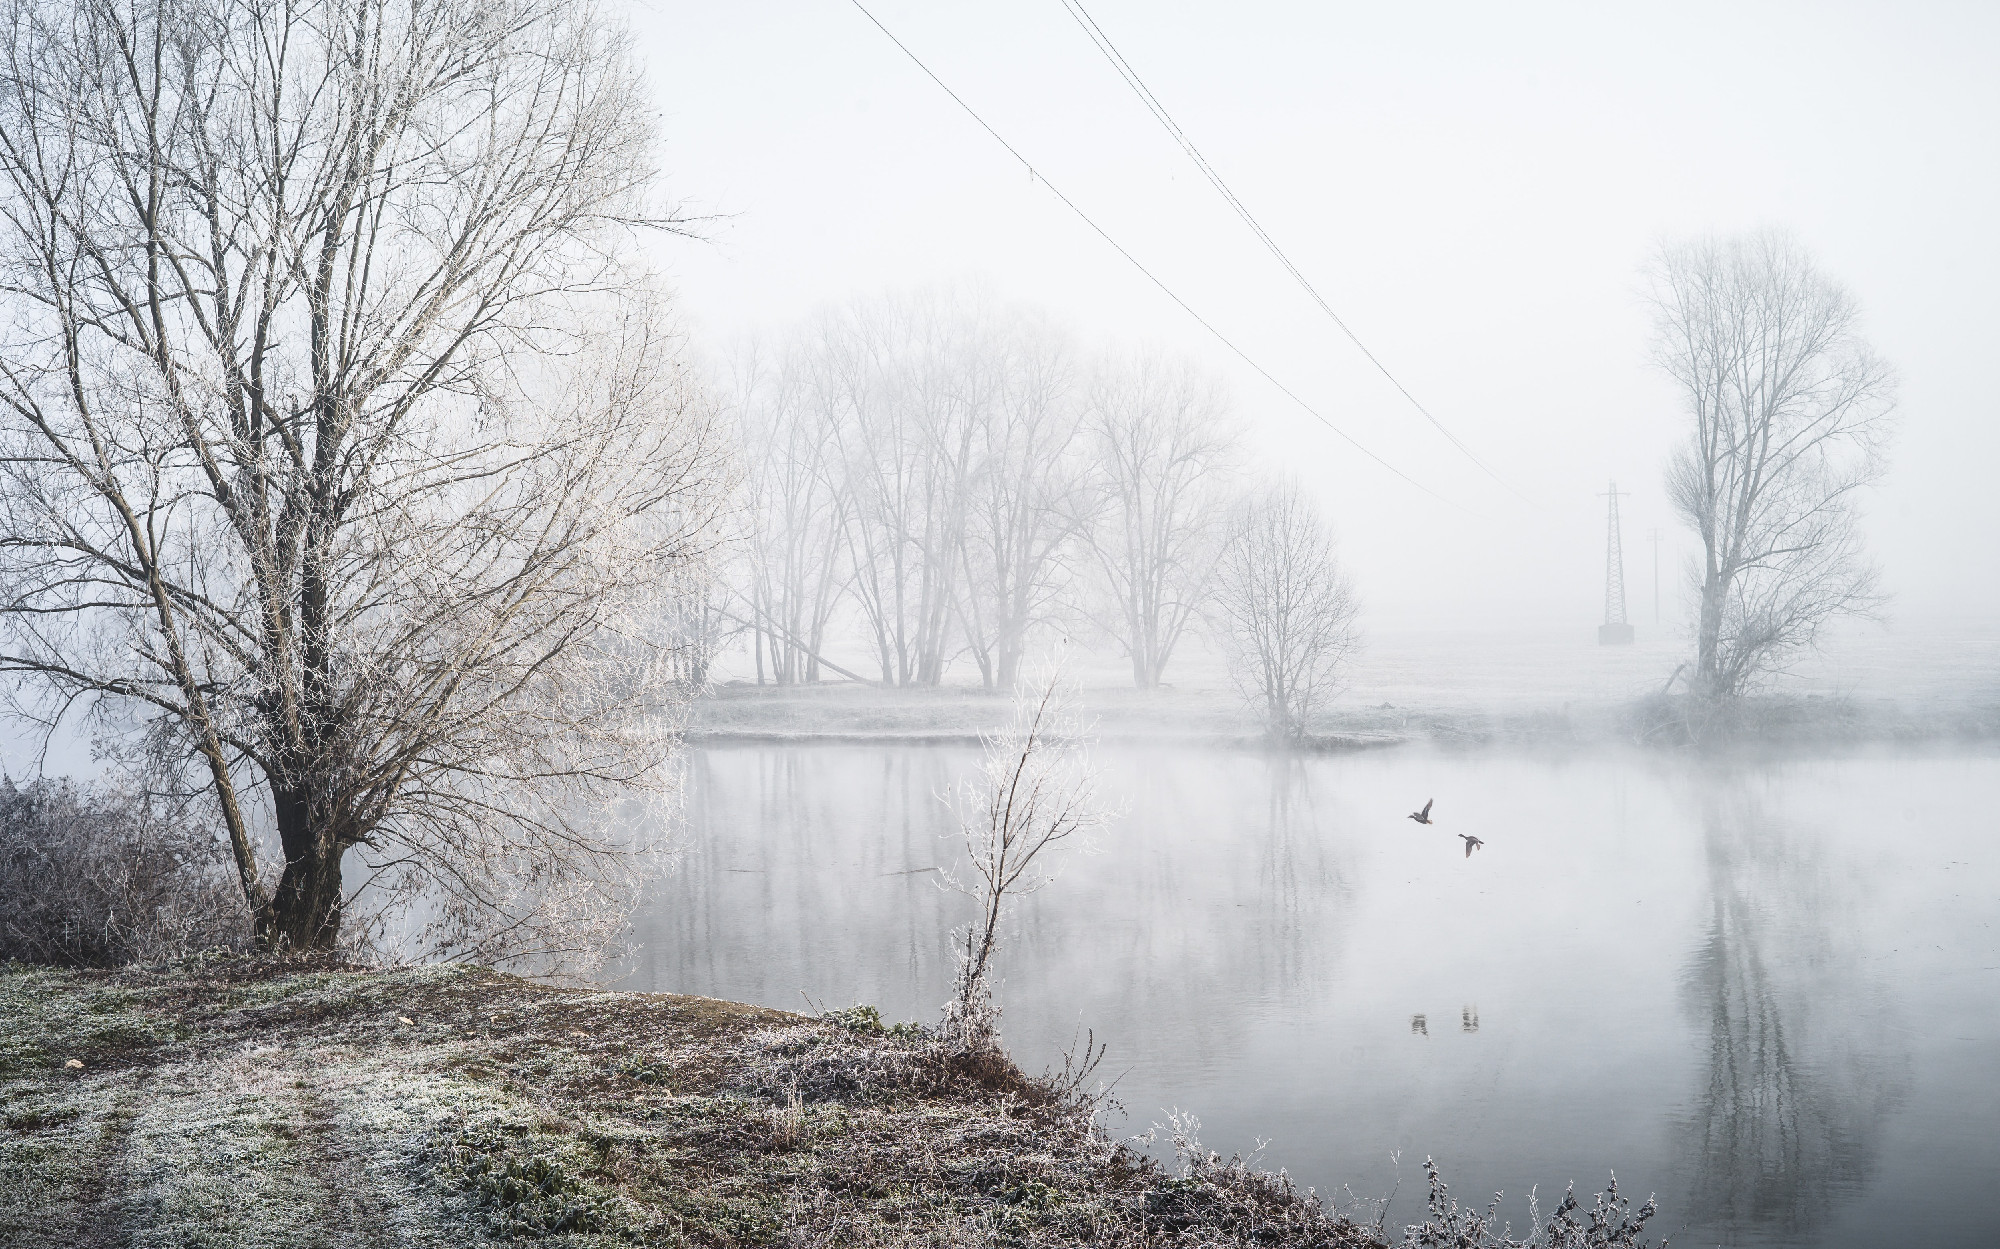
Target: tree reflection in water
(1302,879)
(1802,1066)
(808,868)
(1207,909)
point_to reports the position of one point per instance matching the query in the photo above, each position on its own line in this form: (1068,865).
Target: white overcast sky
(1474,187)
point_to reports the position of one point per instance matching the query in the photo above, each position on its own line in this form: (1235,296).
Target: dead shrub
(101,877)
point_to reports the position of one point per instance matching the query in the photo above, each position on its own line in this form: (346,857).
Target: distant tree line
(949,475)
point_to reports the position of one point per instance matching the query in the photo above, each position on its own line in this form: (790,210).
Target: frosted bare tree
(1286,609)
(1790,413)
(1033,796)
(1031,497)
(338,440)
(798,508)
(1160,435)
(910,384)
(694,621)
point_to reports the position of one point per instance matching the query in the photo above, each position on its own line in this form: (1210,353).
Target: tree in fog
(338,440)
(798,509)
(692,622)
(1159,436)
(934,461)
(907,385)
(1029,501)
(1790,412)
(1286,608)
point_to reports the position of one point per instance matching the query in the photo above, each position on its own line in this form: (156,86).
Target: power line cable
(1070,204)
(1160,113)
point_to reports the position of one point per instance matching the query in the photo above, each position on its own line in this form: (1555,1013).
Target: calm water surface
(1768,992)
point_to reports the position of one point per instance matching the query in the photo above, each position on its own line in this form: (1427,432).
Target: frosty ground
(244,1102)
(239,1102)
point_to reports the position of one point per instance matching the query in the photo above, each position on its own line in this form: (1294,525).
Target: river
(1767,991)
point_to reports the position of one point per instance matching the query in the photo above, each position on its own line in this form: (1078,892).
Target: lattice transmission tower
(1616,630)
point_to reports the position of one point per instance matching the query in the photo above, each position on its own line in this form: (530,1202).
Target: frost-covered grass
(234,1102)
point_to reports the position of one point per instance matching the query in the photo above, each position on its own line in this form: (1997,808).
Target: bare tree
(918,455)
(695,622)
(1286,608)
(1033,793)
(305,451)
(1160,436)
(1030,498)
(798,510)
(1791,413)
(911,384)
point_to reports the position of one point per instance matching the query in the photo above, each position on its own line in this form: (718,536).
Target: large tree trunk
(1009,666)
(1708,639)
(305,911)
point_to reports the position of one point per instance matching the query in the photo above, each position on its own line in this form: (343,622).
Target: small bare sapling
(1035,791)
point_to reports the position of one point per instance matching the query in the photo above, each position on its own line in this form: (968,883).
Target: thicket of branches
(97,877)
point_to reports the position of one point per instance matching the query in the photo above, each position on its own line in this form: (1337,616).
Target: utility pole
(1616,630)
(1656,576)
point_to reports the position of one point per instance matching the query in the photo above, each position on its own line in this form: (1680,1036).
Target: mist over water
(1589,256)
(1764,990)
(774,418)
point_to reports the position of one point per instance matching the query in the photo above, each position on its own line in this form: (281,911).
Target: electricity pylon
(1656,576)
(1615,631)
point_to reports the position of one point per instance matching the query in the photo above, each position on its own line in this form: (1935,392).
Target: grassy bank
(848,712)
(235,1102)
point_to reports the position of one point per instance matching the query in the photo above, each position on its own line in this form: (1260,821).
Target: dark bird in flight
(1471,843)
(1423,816)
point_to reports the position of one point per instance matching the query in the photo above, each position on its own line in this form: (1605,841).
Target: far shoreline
(851,713)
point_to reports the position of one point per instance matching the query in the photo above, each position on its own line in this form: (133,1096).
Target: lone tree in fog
(338,439)
(1287,609)
(1791,411)
(1160,437)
